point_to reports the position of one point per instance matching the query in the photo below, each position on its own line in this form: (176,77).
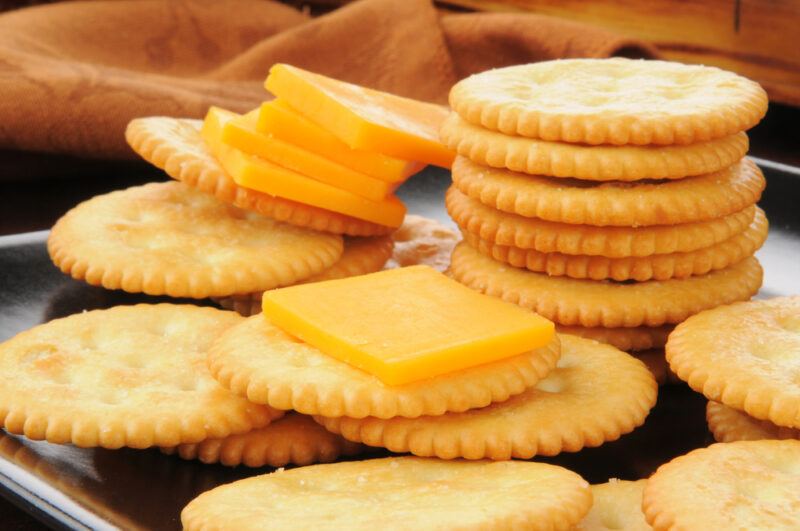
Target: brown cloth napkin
(73,74)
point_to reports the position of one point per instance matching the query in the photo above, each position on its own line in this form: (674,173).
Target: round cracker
(611,101)
(591,163)
(739,485)
(579,404)
(294,439)
(640,268)
(360,256)
(258,360)
(617,506)
(613,203)
(175,146)
(628,339)
(512,230)
(745,355)
(398,493)
(728,425)
(593,303)
(128,376)
(169,239)
(423,241)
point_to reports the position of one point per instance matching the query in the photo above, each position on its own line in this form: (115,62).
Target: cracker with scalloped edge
(128,376)
(727,424)
(663,266)
(258,360)
(738,485)
(745,355)
(595,394)
(590,163)
(611,101)
(512,230)
(294,439)
(175,146)
(592,303)
(170,239)
(614,203)
(637,338)
(398,493)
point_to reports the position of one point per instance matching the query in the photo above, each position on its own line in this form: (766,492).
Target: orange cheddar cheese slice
(279,120)
(258,174)
(241,133)
(405,325)
(364,118)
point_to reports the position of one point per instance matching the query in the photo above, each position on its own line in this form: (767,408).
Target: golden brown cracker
(609,304)
(512,230)
(611,101)
(398,493)
(128,376)
(591,163)
(169,239)
(618,204)
(738,485)
(425,241)
(258,360)
(744,355)
(294,439)
(627,339)
(617,506)
(360,256)
(175,146)
(579,404)
(641,268)
(728,425)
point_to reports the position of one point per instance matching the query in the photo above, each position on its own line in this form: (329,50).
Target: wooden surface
(756,38)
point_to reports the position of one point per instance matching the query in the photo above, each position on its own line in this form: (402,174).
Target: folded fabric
(73,74)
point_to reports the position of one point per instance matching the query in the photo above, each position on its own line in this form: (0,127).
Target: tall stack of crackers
(610,196)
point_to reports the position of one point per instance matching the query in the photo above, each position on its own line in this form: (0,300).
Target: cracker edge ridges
(681,208)
(661,266)
(42,425)
(576,161)
(450,445)
(307,400)
(133,278)
(593,130)
(570,314)
(738,391)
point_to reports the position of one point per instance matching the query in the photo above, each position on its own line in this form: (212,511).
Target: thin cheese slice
(405,325)
(258,174)
(278,119)
(240,132)
(364,118)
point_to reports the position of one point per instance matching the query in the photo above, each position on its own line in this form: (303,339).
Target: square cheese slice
(364,118)
(278,119)
(241,133)
(258,174)
(405,325)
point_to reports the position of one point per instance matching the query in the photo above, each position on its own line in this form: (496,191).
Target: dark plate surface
(94,488)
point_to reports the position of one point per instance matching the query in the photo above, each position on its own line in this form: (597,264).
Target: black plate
(95,488)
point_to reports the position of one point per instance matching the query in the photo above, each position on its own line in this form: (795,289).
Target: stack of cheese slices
(610,196)
(315,170)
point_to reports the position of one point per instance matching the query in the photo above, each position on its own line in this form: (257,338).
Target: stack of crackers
(611,196)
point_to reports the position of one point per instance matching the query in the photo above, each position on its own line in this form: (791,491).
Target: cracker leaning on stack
(750,373)
(611,196)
